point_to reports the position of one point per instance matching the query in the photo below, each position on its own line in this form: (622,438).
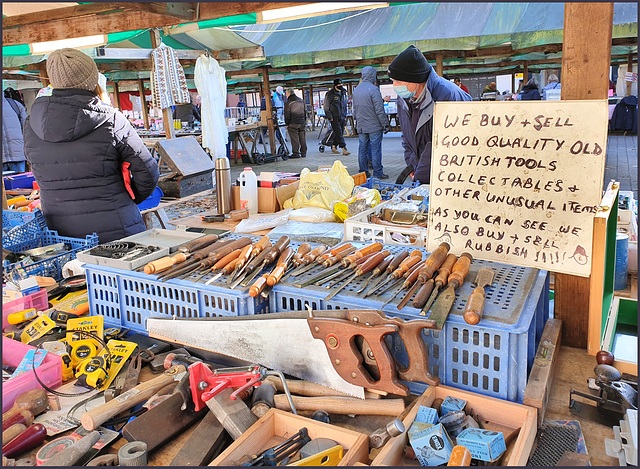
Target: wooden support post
(525,73)
(116,95)
(629,69)
(586,51)
(267,99)
(513,82)
(439,64)
(44,76)
(145,112)
(167,115)
(313,109)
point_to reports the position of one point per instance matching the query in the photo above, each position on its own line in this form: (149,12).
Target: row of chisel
(405,271)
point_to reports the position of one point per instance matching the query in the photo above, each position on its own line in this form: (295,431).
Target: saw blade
(281,344)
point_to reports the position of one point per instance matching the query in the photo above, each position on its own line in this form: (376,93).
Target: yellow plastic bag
(322,189)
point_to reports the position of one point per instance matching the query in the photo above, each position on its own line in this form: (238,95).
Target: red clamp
(206,383)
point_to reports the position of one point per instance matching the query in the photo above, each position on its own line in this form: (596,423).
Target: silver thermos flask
(223,184)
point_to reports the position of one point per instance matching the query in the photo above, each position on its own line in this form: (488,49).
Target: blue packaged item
(452,404)
(432,446)
(485,445)
(427,415)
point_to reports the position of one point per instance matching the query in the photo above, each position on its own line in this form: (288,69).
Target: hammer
(34,400)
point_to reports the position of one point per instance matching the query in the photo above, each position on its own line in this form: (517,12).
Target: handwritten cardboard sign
(518,182)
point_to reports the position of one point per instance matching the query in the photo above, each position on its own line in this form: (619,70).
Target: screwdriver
(252,266)
(308,260)
(379,270)
(367,266)
(445,301)
(271,257)
(398,258)
(257,248)
(440,280)
(242,260)
(283,262)
(407,264)
(226,270)
(410,278)
(431,265)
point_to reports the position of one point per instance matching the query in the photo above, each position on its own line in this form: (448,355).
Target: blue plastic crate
(492,358)
(51,267)
(127,298)
(387,189)
(22,229)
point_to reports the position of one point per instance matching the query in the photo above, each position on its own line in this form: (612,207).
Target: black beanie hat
(410,65)
(337,81)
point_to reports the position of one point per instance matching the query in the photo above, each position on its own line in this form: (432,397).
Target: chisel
(365,267)
(431,265)
(308,260)
(196,257)
(184,252)
(252,266)
(257,248)
(281,266)
(395,263)
(222,256)
(410,278)
(475,304)
(226,270)
(351,259)
(399,261)
(242,260)
(270,258)
(402,271)
(327,263)
(379,270)
(446,299)
(232,256)
(440,281)
(350,268)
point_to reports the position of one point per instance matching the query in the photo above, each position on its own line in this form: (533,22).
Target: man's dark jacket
(76,146)
(335,104)
(530,93)
(294,111)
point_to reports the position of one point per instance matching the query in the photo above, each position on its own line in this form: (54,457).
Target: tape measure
(60,348)
(92,373)
(54,447)
(83,349)
(22,316)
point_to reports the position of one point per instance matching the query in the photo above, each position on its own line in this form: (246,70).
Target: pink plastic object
(36,300)
(49,371)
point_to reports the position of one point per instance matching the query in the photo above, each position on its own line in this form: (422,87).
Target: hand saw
(320,348)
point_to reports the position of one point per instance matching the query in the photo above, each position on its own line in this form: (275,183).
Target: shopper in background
(187,112)
(459,83)
(490,88)
(552,84)
(335,110)
(14,116)
(90,164)
(371,122)
(278,103)
(295,118)
(530,91)
(418,87)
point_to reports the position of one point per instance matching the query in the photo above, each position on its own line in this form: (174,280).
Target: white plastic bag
(313,215)
(264,221)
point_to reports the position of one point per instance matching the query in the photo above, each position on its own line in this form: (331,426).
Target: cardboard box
(276,426)
(284,193)
(484,445)
(267,200)
(417,427)
(263,116)
(432,446)
(451,404)
(427,415)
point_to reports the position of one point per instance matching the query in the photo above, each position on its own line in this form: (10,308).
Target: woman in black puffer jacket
(530,91)
(78,148)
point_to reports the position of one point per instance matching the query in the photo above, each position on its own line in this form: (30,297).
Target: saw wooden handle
(143,391)
(343,405)
(339,336)
(475,304)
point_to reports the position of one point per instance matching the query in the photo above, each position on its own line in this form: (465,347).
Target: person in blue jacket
(552,84)
(418,87)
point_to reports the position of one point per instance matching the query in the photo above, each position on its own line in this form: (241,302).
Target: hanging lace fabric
(168,82)
(212,88)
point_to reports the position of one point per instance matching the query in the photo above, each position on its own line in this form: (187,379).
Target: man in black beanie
(418,87)
(335,110)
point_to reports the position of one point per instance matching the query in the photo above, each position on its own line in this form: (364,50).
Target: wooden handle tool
(281,267)
(259,246)
(334,259)
(200,243)
(439,281)
(165,263)
(475,304)
(313,255)
(460,270)
(11,432)
(22,416)
(423,294)
(303,249)
(30,438)
(434,261)
(232,256)
(258,286)
(343,405)
(143,391)
(339,248)
(34,400)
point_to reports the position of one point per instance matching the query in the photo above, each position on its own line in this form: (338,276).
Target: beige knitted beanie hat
(70,68)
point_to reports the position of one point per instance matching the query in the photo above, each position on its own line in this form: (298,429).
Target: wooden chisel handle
(351,262)
(397,259)
(475,304)
(260,246)
(205,252)
(303,249)
(277,248)
(434,261)
(343,405)
(372,262)
(460,270)
(143,391)
(244,256)
(374,247)
(313,255)
(423,294)
(405,266)
(285,257)
(199,243)
(380,268)
(227,269)
(164,263)
(338,257)
(412,274)
(416,253)
(233,255)
(258,286)
(257,261)
(445,270)
(340,248)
